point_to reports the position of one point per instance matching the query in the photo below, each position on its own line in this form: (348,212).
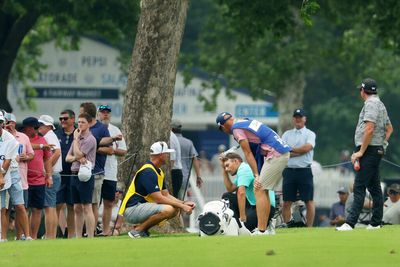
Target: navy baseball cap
(222,118)
(299,112)
(369,85)
(30,121)
(104,107)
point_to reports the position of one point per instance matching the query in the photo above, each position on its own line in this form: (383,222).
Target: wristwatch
(41,146)
(3,171)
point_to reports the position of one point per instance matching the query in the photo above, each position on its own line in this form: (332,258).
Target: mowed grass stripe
(290,247)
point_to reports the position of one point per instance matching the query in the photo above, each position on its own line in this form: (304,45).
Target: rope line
(70,175)
(132,155)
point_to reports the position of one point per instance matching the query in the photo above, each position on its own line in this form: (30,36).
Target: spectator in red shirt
(37,179)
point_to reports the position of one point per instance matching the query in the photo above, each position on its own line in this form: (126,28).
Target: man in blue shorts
(46,128)
(10,182)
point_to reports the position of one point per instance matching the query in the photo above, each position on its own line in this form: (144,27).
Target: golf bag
(217,219)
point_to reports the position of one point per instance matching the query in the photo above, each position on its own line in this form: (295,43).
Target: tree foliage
(238,42)
(346,43)
(25,24)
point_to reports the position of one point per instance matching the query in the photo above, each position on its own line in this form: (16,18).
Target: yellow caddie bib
(132,190)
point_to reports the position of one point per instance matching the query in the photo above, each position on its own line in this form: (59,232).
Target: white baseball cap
(47,120)
(10,117)
(85,171)
(159,148)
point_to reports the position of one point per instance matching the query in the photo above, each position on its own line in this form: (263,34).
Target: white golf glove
(243,230)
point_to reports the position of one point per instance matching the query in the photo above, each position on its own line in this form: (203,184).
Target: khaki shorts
(271,171)
(98,182)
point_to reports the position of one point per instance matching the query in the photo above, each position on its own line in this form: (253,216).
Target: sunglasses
(392,192)
(104,107)
(63,118)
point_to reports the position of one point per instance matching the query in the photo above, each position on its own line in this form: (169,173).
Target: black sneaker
(147,233)
(137,234)
(291,224)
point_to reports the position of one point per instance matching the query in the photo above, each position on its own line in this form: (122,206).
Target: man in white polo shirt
(46,128)
(109,186)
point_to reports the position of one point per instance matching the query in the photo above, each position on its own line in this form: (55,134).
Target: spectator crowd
(60,174)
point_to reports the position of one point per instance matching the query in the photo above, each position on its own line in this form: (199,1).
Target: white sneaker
(258,232)
(3,240)
(243,230)
(344,227)
(271,227)
(370,227)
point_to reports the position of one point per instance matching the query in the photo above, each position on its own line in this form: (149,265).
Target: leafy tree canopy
(25,24)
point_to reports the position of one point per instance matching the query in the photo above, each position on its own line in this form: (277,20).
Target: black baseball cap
(30,122)
(299,112)
(394,187)
(369,85)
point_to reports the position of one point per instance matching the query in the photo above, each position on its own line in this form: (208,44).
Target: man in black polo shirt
(65,135)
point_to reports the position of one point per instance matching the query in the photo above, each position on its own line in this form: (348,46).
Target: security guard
(297,176)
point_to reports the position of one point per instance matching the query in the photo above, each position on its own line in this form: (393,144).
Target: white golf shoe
(271,227)
(344,227)
(370,227)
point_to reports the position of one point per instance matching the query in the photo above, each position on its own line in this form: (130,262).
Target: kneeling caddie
(147,201)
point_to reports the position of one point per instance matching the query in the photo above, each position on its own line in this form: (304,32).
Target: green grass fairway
(320,247)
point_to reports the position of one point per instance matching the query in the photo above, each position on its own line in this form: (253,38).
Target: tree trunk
(290,98)
(12,32)
(149,94)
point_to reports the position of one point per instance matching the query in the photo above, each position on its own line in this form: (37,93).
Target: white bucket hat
(47,120)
